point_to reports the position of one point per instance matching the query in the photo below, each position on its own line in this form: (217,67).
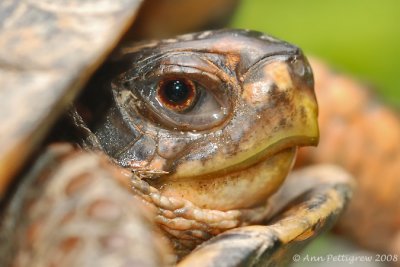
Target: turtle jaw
(244,185)
(239,189)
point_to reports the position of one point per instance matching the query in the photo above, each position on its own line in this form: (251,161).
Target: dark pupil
(176,91)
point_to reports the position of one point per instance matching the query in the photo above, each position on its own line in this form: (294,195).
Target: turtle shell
(49,50)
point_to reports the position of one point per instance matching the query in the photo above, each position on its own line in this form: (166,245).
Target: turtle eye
(188,102)
(177,94)
(185,102)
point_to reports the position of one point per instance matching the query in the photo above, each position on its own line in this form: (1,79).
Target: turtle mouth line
(265,154)
(246,187)
(243,185)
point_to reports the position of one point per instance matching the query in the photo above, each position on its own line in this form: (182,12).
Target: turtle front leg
(71,211)
(309,203)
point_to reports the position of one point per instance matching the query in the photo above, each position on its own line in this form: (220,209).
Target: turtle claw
(317,195)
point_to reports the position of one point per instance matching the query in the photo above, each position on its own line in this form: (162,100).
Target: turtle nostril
(299,68)
(301,72)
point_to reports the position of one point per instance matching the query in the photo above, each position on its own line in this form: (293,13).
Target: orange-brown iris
(176,94)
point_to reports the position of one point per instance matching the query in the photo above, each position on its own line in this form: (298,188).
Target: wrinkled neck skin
(209,123)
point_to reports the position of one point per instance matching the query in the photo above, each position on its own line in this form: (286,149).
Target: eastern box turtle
(174,144)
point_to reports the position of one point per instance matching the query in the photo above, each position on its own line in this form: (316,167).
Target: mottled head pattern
(253,102)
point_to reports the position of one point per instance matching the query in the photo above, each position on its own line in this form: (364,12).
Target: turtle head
(219,114)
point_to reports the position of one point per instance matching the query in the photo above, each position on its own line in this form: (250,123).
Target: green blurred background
(360,37)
